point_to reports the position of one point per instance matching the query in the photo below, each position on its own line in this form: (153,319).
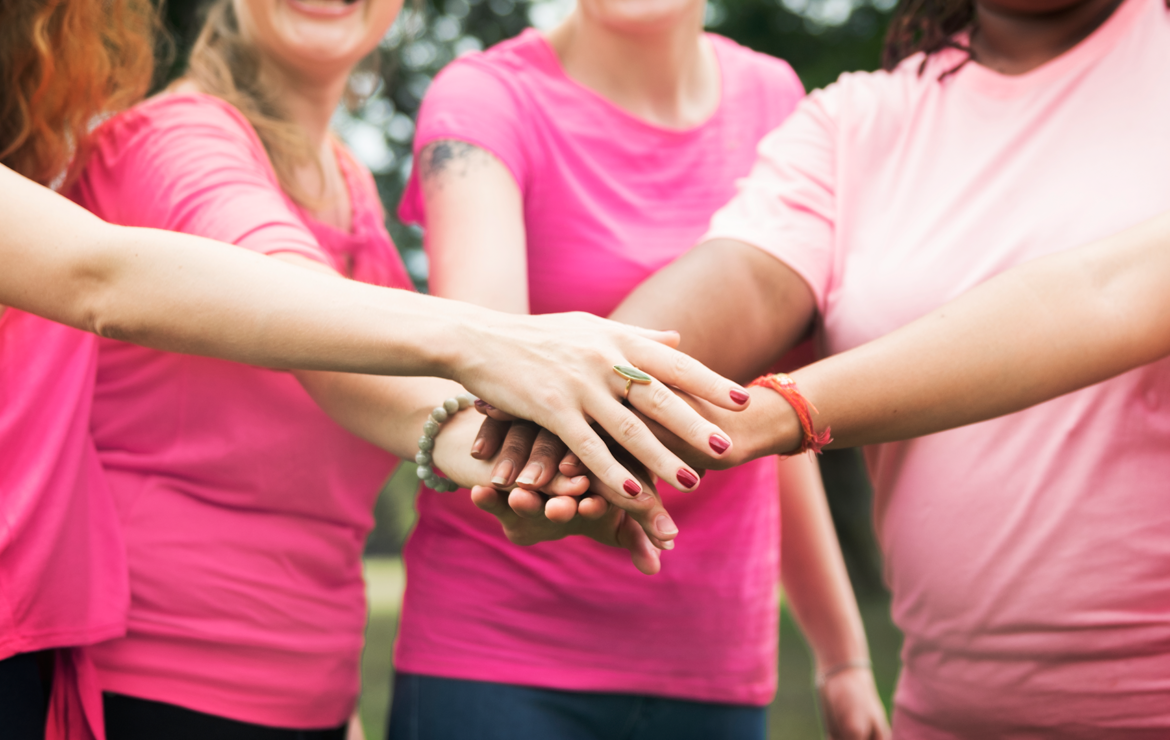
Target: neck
(667,76)
(308,102)
(1014,42)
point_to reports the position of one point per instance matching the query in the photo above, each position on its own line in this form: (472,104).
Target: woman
(557,173)
(1026,554)
(179,293)
(167,290)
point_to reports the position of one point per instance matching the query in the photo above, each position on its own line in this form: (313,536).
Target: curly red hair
(63,65)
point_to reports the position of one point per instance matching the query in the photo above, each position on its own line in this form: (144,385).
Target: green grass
(793,714)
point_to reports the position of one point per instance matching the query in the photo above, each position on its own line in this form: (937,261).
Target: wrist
(831,671)
(775,428)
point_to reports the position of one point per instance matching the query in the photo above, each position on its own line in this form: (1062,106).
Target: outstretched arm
(185,294)
(1030,334)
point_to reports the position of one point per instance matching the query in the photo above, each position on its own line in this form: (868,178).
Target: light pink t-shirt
(62,561)
(608,199)
(245,507)
(1029,556)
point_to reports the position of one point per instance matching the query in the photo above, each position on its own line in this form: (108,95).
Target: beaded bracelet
(786,387)
(426,443)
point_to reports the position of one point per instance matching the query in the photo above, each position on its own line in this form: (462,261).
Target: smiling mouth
(324,7)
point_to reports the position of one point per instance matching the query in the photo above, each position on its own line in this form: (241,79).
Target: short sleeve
(470,102)
(787,203)
(193,164)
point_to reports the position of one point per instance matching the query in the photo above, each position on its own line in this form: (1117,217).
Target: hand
(851,707)
(531,458)
(451,456)
(599,521)
(557,370)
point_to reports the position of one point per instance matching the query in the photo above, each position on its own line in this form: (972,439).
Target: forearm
(816,584)
(181,293)
(737,308)
(1031,334)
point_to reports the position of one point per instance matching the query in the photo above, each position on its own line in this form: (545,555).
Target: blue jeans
(430,708)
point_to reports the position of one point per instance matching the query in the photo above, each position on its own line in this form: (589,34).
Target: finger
(610,478)
(489,439)
(632,434)
(561,509)
(562,485)
(669,337)
(513,453)
(491,411)
(646,508)
(490,500)
(592,507)
(542,463)
(645,556)
(526,504)
(571,465)
(685,372)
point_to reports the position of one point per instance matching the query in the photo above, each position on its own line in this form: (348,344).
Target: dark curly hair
(929,26)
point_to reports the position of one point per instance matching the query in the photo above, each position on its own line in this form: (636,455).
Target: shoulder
(873,102)
(510,64)
(191,116)
(740,62)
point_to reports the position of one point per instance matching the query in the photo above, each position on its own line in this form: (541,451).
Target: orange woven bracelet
(786,387)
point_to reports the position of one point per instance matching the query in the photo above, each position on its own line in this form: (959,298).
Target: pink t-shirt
(245,507)
(1029,556)
(608,199)
(62,561)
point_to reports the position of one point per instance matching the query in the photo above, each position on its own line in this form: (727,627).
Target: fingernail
(579,480)
(687,478)
(719,443)
(739,396)
(529,474)
(664,525)
(502,472)
(477,448)
(668,545)
(631,487)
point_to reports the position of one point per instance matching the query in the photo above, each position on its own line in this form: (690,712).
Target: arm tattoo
(449,158)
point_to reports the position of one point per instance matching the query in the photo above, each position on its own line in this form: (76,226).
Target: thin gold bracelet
(823,677)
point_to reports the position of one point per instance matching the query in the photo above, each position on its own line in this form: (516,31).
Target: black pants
(431,708)
(128,718)
(24,695)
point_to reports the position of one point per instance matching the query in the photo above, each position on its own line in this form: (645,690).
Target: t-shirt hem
(189,696)
(53,639)
(594,680)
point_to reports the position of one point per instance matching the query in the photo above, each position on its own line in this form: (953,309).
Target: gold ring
(632,375)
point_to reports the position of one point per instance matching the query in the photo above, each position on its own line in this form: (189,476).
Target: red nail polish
(739,396)
(631,487)
(719,444)
(687,478)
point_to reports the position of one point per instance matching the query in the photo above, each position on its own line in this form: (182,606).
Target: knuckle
(629,428)
(683,364)
(661,397)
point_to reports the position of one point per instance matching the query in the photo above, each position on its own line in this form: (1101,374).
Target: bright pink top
(245,507)
(608,199)
(62,561)
(1029,556)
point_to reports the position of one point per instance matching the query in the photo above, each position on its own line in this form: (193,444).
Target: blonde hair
(63,64)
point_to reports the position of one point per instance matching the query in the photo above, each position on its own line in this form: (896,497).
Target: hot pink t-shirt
(608,199)
(245,507)
(1029,556)
(62,561)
